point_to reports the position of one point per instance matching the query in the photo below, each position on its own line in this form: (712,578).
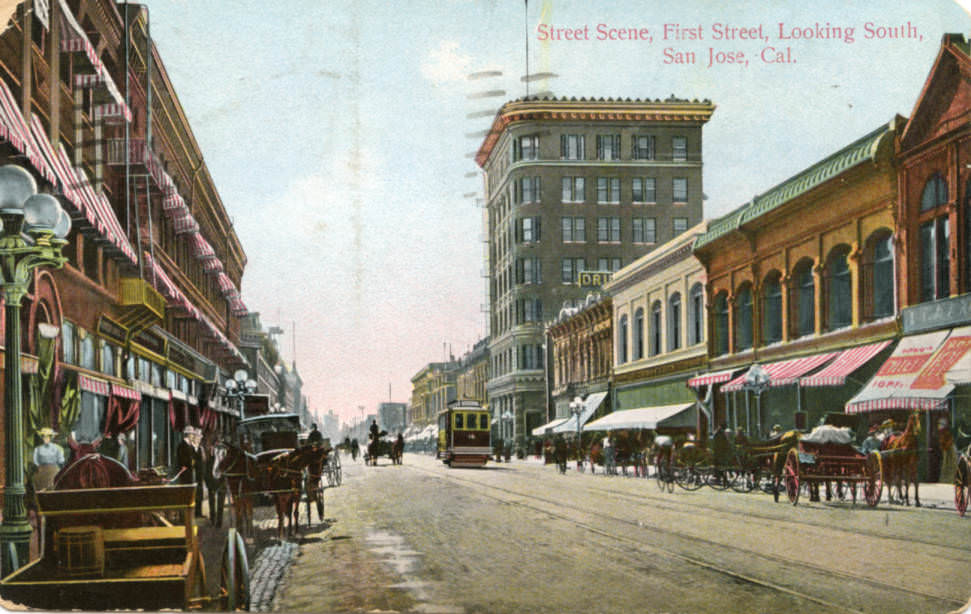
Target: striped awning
(238,308)
(786,372)
(846,363)
(65,181)
(125,392)
(212,265)
(718,377)
(174,203)
(94,385)
(226,285)
(185,223)
(200,247)
(15,126)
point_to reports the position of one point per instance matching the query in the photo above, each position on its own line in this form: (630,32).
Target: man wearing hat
(48,458)
(189,464)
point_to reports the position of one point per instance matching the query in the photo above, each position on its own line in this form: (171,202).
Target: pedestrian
(609,459)
(315,438)
(48,459)
(559,453)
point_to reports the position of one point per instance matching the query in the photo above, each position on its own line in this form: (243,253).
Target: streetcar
(464,434)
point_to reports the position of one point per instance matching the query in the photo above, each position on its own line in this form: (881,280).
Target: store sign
(942,313)
(150,341)
(593,279)
(110,329)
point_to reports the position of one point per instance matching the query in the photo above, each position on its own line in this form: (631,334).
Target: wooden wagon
(813,464)
(107,548)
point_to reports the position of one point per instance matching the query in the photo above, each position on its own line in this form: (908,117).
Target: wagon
(823,463)
(107,548)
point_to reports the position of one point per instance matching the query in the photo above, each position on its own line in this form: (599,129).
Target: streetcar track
(671,505)
(525,500)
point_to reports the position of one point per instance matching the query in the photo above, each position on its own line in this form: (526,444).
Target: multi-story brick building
(575,185)
(431,390)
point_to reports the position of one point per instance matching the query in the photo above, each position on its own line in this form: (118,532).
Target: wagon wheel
(234,583)
(791,476)
(873,487)
(689,478)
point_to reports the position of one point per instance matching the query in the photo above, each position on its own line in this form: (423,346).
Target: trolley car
(464,434)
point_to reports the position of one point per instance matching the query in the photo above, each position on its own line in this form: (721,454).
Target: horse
(285,480)
(238,468)
(313,485)
(397,450)
(900,465)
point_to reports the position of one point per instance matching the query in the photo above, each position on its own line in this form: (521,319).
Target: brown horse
(899,454)
(285,479)
(239,469)
(313,483)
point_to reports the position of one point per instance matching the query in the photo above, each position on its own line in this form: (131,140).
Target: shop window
(90,423)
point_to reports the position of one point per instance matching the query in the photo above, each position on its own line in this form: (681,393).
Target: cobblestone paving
(265,574)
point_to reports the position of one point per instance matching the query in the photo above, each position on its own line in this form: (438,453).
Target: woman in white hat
(48,457)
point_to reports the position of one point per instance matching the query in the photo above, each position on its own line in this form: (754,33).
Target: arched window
(696,314)
(934,194)
(674,321)
(655,333)
(721,324)
(772,309)
(839,294)
(877,276)
(639,333)
(803,299)
(622,340)
(743,318)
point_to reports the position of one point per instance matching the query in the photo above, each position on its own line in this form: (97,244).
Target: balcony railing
(143,301)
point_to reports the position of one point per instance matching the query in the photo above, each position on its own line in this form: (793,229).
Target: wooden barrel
(80,551)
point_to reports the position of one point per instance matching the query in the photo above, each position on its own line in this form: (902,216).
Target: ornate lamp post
(237,389)
(576,407)
(757,381)
(32,235)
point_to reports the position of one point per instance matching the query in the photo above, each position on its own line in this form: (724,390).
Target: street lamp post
(237,389)
(33,230)
(576,407)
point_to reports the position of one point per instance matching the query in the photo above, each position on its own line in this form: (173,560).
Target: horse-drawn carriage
(111,541)
(827,456)
(266,462)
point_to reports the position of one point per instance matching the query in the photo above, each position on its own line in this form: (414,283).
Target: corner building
(575,185)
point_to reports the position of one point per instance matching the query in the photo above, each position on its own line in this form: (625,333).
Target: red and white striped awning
(784,373)
(846,363)
(237,306)
(93,385)
(226,285)
(112,111)
(65,181)
(200,247)
(125,392)
(22,140)
(719,377)
(212,265)
(185,223)
(174,204)
(163,283)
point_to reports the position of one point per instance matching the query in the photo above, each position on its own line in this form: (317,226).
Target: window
(679,149)
(107,359)
(571,147)
(608,147)
(934,194)
(674,322)
(839,307)
(570,267)
(573,229)
(680,225)
(622,340)
(67,340)
(679,187)
(772,309)
(529,310)
(90,422)
(531,356)
(743,318)
(527,190)
(608,190)
(89,355)
(573,190)
(655,332)
(644,230)
(608,229)
(459,420)
(528,229)
(644,190)
(696,314)
(608,264)
(935,262)
(721,324)
(639,333)
(525,148)
(642,148)
(528,271)
(803,305)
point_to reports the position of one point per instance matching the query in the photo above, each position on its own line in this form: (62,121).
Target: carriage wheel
(720,479)
(873,487)
(791,473)
(234,584)
(689,478)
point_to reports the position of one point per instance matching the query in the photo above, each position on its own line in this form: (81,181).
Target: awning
(706,379)
(17,132)
(94,385)
(960,373)
(225,284)
(679,415)
(590,405)
(125,392)
(784,373)
(890,387)
(539,431)
(846,363)
(200,247)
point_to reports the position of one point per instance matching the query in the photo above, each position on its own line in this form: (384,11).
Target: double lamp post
(34,227)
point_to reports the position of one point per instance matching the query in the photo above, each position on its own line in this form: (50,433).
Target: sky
(339,137)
